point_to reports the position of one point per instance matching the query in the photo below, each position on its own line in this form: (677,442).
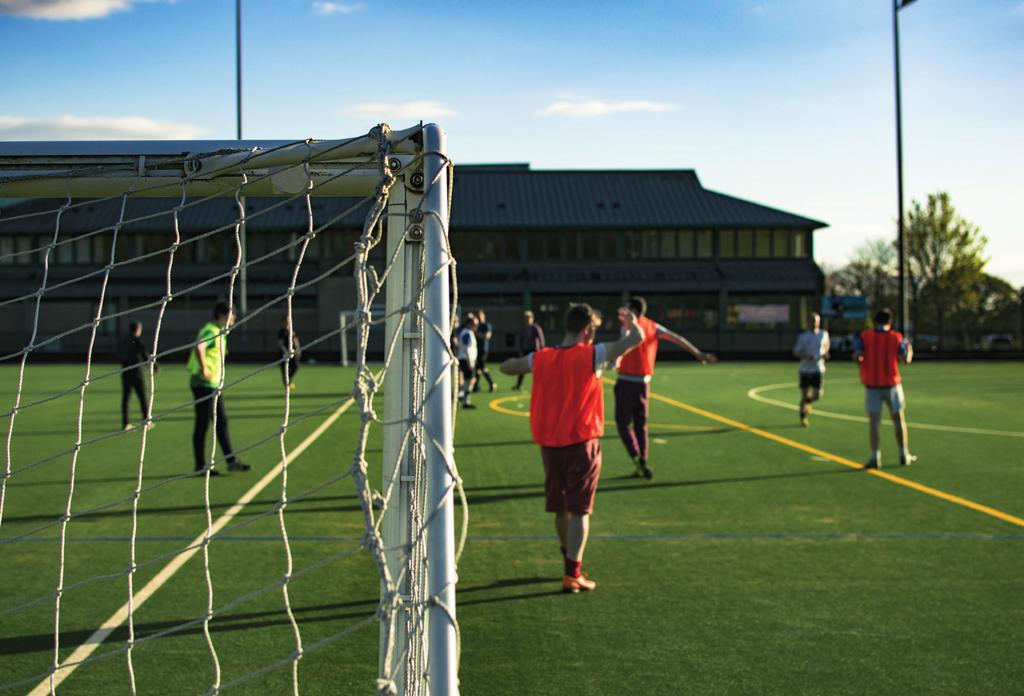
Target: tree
(871,273)
(946,262)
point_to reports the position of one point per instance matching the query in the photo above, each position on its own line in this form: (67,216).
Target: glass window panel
(6,249)
(65,252)
(727,244)
(534,245)
(704,248)
(799,244)
(650,242)
(591,245)
(763,244)
(668,244)
(83,251)
(686,244)
(745,244)
(780,244)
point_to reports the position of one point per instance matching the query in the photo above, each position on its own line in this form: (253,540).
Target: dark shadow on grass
(621,485)
(221,624)
(256,507)
(88,481)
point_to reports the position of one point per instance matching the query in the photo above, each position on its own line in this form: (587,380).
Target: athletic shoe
(469,406)
(238,466)
(804,422)
(127,427)
(494,387)
(571,585)
(873,464)
(638,468)
(291,386)
(150,425)
(213,472)
(646,470)
(908,460)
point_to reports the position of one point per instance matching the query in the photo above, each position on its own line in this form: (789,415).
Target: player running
(633,386)
(879,350)
(567,421)
(812,348)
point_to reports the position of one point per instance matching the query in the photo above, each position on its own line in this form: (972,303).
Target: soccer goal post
(101,242)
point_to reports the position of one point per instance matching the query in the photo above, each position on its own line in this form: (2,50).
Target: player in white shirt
(467,358)
(812,348)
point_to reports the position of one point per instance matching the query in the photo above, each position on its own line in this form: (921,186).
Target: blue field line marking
(545,537)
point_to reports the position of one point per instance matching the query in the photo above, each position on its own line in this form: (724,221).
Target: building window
(745,244)
(704,244)
(763,244)
(780,244)
(668,244)
(686,244)
(727,244)
(799,244)
(684,312)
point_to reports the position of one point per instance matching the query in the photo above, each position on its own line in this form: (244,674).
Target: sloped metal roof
(486,197)
(513,197)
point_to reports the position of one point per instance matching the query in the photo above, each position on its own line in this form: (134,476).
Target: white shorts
(891,396)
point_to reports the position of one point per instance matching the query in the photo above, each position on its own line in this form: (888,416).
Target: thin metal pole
(238,68)
(904,313)
(243,235)
(441,663)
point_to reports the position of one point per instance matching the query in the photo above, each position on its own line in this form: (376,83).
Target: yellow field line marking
(755,394)
(121,615)
(949,497)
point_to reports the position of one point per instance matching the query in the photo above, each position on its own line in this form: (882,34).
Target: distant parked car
(996,342)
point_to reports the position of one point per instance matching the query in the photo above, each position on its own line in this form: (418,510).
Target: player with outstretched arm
(567,421)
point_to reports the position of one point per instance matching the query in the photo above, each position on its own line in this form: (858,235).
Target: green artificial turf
(746,566)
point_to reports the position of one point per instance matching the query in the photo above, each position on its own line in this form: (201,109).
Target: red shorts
(570,476)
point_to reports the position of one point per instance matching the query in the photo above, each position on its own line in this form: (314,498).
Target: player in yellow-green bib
(206,367)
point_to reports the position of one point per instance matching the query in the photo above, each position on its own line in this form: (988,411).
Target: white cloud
(409,110)
(593,108)
(68,9)
(70,127)
(331,8)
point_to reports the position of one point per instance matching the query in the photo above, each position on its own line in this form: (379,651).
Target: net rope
(245,168)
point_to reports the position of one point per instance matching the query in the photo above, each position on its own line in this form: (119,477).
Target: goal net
(250,516)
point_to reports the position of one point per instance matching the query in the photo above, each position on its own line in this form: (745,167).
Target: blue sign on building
(844,307)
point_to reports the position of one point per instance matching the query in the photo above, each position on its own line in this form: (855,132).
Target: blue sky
(785,102)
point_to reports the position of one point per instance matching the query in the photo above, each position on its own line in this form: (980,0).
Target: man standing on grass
(483,341)
(133,354)
(531,339)
(812,348)
(467,358)
(567,421)
(633,386)
(206,365)
(879,351)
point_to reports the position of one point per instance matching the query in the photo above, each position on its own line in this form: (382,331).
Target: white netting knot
(387,687)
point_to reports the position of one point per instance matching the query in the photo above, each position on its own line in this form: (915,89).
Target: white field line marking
(755,394)
(121,615)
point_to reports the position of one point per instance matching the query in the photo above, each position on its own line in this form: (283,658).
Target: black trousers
(288,370)
(204,414)
(132,381)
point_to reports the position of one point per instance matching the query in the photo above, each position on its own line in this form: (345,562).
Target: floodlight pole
(904,310)
(243,300)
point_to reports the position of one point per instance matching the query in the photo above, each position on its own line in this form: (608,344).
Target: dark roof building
(731,274)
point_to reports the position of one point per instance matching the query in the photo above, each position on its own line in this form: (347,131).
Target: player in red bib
(633,387)
(567,421)
(879,352)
